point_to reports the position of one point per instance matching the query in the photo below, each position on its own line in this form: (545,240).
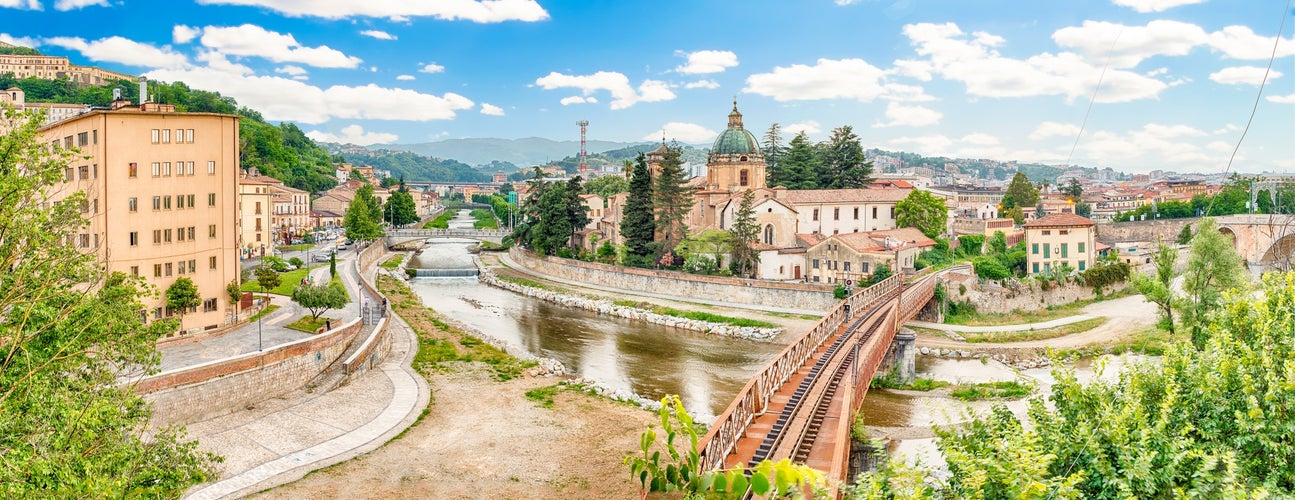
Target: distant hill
(524,153)
(416,167)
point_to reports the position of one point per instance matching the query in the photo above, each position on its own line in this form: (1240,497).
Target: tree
(800,167)
(235,293)
(577,211)
(356,176)
(990,268)
(745,232)
(843,162)
(1158,289)
(638,226)
(998,243)
(773,150)
(1083,209)
(1020,193)
(365,194)
(1073,190)
(879,274)
(1212,268)
(672,199)
(181,296)
(551,229)
(359,224)
(607,186)
(72,342)
(1185,236)
(924,211)
(267,279)
(400,208)
(320,298)
(332,265)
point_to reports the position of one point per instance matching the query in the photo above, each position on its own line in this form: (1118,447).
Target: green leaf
(739,482)
(719,483)
(759,484)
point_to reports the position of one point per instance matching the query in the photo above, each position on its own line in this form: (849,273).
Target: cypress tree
(672,199)
(638,226)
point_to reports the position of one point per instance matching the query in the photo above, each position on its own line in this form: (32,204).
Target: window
(179,136)
(166,236)
(1081,247)
(211,199)
(85,206)
(94,171)
(1081,265)
(874,212)
(1064,250)
(847,266)
(1036,268)
(258,224)
(815,214)
(258,209)
(211,231)
(1047,233)
(168,269)
(166,169)
(180,265)
(209,305)
(191,232)
(768,234)
(95,203)
(211,168)
(892,212)
(1034,248)
(836,213)
(742,177)
(1064,232)
(134,270)
(83,139)
(85,240)
(157,169)
(157,270)
(1047,251)
(157,136)
(94,136)
(67,174)
(179,234)
(67,142)
(211,262)
(157,236)
(856,213)
(179,201)
(83,172)
(134,170)
(258,235)
(193,266)
(863,267)
(191,203)
(166,139)
(166,202)
(188,135)
(188,168)
(157,203)
(815,264)
(134,204)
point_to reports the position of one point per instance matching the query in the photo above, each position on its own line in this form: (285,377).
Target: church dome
(735,140)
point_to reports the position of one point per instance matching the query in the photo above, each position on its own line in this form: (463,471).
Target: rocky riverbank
(602,306)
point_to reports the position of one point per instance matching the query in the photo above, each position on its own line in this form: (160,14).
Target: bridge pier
(901,358)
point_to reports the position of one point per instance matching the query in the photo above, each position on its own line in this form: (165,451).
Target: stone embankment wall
(804,296)
(1027,295)
(602,306)
(212,389)
(1166,229)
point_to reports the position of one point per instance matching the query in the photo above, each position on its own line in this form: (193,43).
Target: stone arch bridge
(1266,242)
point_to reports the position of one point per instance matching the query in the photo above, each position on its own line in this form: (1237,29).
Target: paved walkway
(1003,328)
(508,261)
(283,439)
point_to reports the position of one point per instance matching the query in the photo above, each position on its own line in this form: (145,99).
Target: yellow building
(255,209)
(291,211)
(1060,240)
(855,256)
(161,198)
(54,67)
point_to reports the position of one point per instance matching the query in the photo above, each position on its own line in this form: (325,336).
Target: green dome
(735,140)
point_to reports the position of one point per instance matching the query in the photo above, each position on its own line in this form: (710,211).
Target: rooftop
(799,196)
(1061,220)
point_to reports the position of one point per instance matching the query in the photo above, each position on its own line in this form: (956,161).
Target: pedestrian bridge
(1266,242)
(398,236)
(802,404)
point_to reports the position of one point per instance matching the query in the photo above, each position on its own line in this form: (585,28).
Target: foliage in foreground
(1208,423)
(679,469)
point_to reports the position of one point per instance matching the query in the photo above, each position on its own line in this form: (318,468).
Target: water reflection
(706,371)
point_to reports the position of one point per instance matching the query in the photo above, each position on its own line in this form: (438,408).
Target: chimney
(143,90)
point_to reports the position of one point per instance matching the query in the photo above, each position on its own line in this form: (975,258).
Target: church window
(874,212)
(742,158)
(743,177)
(768,234)
(836,213)
(815,214)
(856,213)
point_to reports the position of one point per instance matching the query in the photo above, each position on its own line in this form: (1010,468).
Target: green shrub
(839,291)
(990,268)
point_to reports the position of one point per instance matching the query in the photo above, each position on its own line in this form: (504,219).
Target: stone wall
(992,298)
(803,296)
(1167,229)
(212,389)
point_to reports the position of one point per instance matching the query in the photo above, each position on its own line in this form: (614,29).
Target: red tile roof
(799,196)
(1061,220)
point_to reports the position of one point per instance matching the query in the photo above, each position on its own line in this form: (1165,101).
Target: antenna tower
(584,126)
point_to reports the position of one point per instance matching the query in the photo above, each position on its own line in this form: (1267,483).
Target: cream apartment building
(855,256)
(255,216)
(291,211)
(1059,240)
(161,198)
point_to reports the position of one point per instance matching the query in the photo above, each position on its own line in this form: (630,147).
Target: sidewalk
(1003,328)
(281,440)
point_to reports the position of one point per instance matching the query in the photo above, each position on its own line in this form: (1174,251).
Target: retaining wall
(804,296)
(212,389)
(1148,230)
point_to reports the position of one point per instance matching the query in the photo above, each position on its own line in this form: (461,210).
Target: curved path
(1124,315)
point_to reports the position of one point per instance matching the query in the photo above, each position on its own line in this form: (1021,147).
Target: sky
(1137,85)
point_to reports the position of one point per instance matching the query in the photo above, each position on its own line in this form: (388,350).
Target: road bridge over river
(398,236)
(802,404)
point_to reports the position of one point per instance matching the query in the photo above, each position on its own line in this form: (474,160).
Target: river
(650,360)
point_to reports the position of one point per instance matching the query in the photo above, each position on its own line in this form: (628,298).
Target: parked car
(323,257)
(344,245)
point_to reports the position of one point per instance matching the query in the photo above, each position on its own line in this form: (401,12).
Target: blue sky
(1007,80)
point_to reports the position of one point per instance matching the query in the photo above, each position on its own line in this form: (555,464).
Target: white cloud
(831,79)
(379,34)
(1243,75)
(184,34)
(21,4)
(682,132)
(1145,6)
(702,84)
(1229,128)
(909,116)
(1054,129)
(19,40)
(809,127)
(1240,42)
(255,41)
(120,50)
(491,109)
(980,139)
(707,61)
(977,64)
(284,99)
(1282,99)
(353,134)
(65,5)
(623,94)
(432,68)
(405,78)
(575,99)
(484,11)
(1126,46)
(846,2)
(295,72)
(1174,145)
(934,145)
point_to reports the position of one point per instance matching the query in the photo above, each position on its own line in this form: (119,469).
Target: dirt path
(485,439)
(1124,315)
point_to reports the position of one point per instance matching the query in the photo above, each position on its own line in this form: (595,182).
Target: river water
(650,360)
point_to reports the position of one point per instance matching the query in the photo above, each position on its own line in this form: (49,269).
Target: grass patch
(544,395)
(530,283)
(264,312)
(991,390)
(485,219)
(287,281)
(440,343)
(442,221)
(696,315)
(1024,335)
(1152,341)
(295,248)
(394,261)
(791,315)
(1024,317)
(888,381)
(308,324)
